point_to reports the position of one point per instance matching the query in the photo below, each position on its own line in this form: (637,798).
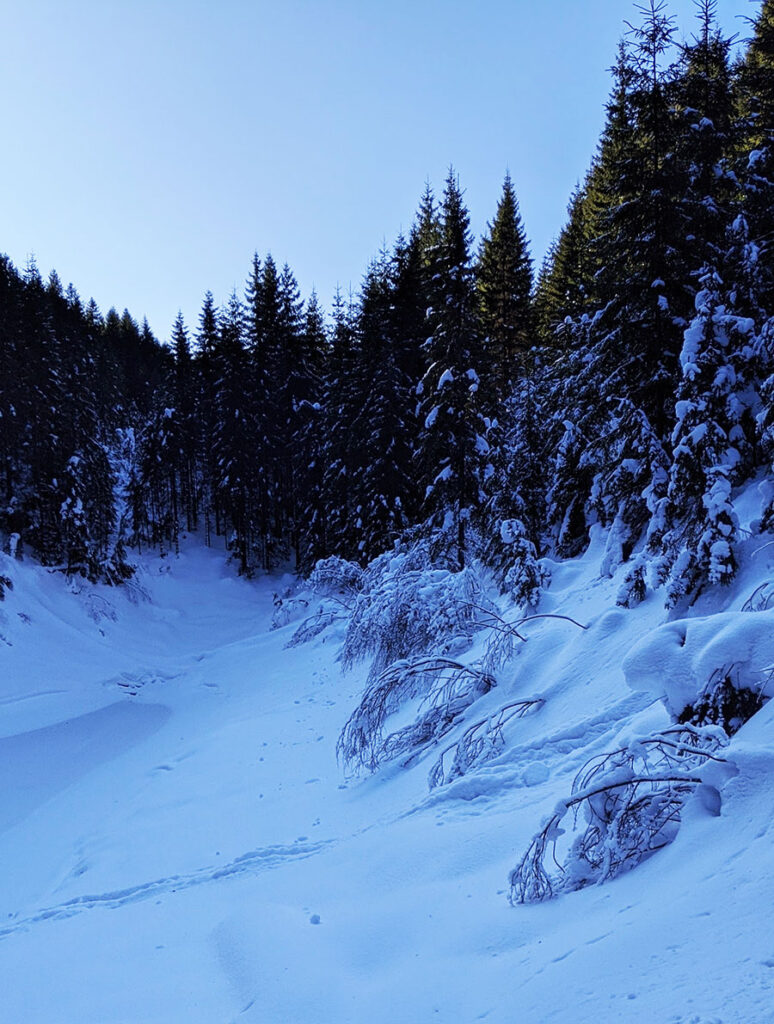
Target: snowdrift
(180,843)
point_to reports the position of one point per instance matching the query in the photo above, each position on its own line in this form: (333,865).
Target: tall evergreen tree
(566,278)
(259,405)
(341,405)
(705,141)
(756,166)
(184,403)
(629,363)
(452,450)
(382,428)
(516,488)
(308,442)
(291,385)
(427,232)
(207,377)
(232,437)
(409,302)
(504,277)
(700,525)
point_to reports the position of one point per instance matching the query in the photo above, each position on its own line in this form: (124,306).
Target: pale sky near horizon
(152,146)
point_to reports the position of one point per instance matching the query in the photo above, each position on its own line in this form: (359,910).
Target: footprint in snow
(250,863)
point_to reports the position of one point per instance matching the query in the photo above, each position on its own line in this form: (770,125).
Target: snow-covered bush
(682,661)
(445,689)
(315,624)
(338,581)
(136,592)
(724,702)
(526,576)
(504,634)
(624,806)
(336,575)
(407,606)
(410,616)
(97,606)
(634,587)
(480,742)
(287,606)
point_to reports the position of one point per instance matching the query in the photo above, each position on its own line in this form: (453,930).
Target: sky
(150,147)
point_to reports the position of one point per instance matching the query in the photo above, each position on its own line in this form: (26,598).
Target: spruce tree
(699,525)
(627,351)
(232,437)
(259,404)
(308,441)
(755,90)
(504,279)
(427,234)
(382,429)
(184,403)
(270,361)
(515,517)
(704,143)
(566,277)
(292,385)
(339,457)
(13,422)
(452,452)
(207,377)
(409,302)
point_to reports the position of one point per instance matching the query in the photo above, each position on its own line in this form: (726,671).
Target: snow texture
(677,661)
(179,843)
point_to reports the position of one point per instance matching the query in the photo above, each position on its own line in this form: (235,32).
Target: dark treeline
(454,400)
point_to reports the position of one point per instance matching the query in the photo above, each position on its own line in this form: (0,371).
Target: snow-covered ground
(179,844)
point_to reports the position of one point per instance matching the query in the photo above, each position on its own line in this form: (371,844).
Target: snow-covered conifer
(453,450)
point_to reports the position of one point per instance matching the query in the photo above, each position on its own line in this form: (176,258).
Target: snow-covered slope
(178,842)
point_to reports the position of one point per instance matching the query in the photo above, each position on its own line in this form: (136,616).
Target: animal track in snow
(251,863)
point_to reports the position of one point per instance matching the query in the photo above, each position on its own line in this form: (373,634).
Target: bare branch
(630,800)
(481,741)
(446,688)
(313,625)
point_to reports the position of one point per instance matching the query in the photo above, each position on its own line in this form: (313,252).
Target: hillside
(179,842)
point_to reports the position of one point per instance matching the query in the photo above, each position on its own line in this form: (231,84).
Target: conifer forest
(459,398)
(410,660)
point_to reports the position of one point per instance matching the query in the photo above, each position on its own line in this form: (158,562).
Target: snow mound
(677,661)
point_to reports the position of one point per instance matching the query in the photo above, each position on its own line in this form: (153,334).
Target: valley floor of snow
(179,844)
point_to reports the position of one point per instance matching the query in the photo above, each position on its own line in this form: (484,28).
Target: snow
(180,844)
(431,417)
(675,661)
(481,445)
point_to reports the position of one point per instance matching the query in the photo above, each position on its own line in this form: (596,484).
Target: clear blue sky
(150,146)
